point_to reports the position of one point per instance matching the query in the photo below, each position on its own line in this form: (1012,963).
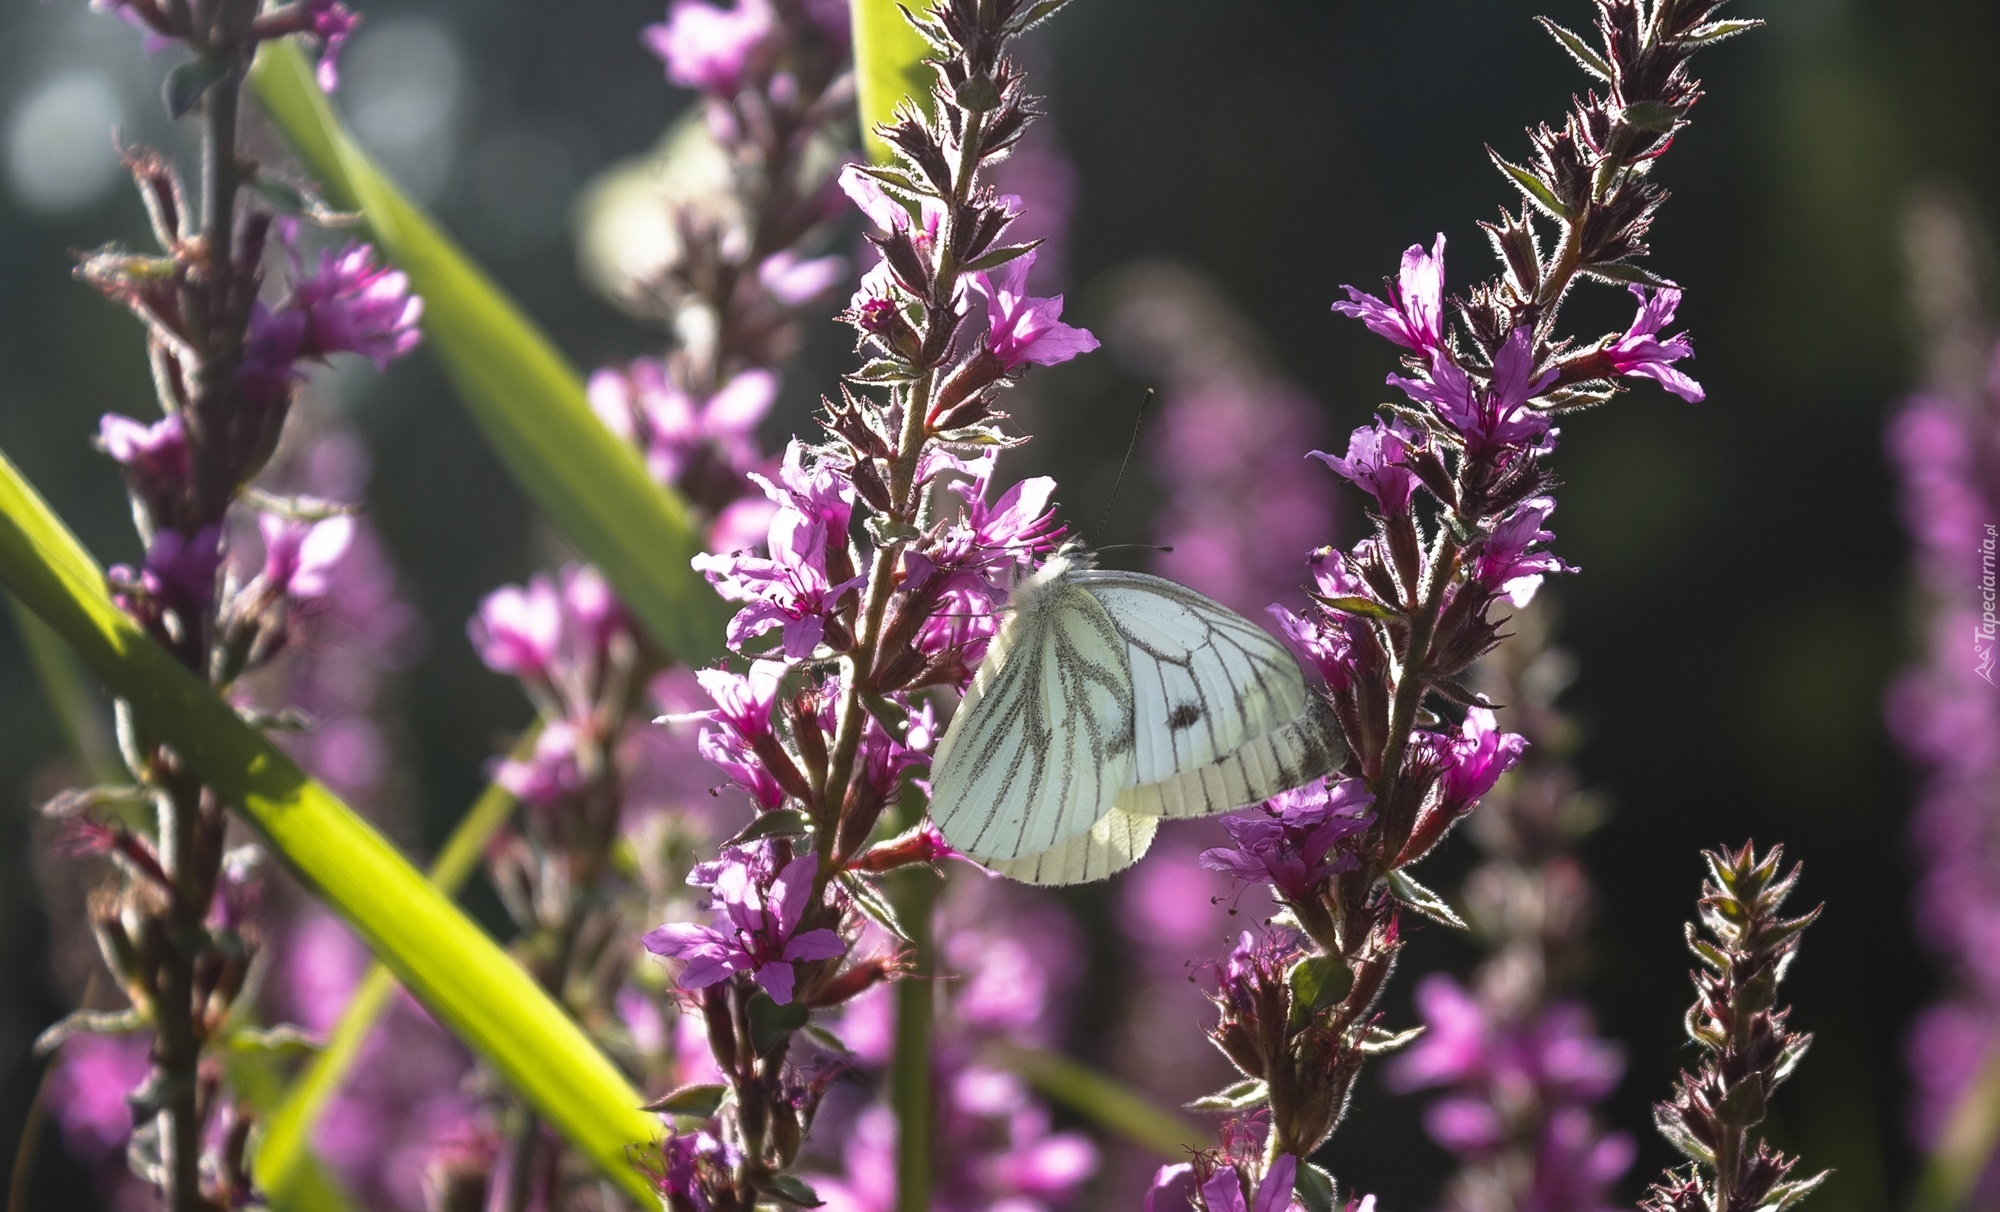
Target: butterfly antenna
(1137,420)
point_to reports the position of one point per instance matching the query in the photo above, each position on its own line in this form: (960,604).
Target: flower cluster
(1461,494)
(226,42)
(178,916)
(1236,1177)
(775,83)
(884,564)
(1944,444)
(1747,1047)
(1523,1066)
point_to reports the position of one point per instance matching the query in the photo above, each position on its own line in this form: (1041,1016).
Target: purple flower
(691,1164)
(796,281)
(1496,414)
(300,556)
(178,574)
(1023,329)
(88,1087)
(1476,758)
(1223,1192)
(1294,841)
(1326,642)
(680,435)
(330,23)
(518,631)
(757,929)
(712,48)
(819,494)
(1456,1039)
(1172,1189)
(1506,565)
(155,457)
(1415,320)
(1374,462)
(741,722)
(551,774)
(1641,352)
(789,591)
(352,305)
(1013,531)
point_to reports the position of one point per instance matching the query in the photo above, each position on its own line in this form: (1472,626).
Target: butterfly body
(1110,700)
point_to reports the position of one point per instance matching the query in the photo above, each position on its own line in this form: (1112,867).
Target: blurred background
(1744,590)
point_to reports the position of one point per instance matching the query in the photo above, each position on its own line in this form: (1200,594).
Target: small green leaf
(1585,55)
(1245,1094)
(882,370)
(828,1040)
(185,84)
(1365,607)
(1377,1040)
(874,904)
(1423,900)
(292,198)
(1317,981)
(1532,186)
(1315,1188)
(1653,116)
(779,822)
(698,1102)
(90,1022)
(1000,256)
(791,1189)
(1716,31)
(1621,273)
(771,1024)
(284,1042)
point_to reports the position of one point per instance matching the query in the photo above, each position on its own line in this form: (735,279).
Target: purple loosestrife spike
(712,48)
(1641,351)
(1415,317)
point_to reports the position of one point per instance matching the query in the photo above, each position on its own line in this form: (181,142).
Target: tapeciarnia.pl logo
(1983,633)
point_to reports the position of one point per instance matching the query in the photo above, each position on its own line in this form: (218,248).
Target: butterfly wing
(1222,714)
(1040,749)
(1118,840)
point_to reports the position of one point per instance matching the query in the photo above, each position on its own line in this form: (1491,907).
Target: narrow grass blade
(439,954)
(524,395)
(283,1155)
(888,65)
(1964,1149)
(1105,1101)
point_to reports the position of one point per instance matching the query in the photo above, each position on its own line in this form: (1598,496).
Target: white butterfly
(1107,701)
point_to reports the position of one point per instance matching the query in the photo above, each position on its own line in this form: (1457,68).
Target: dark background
(1743,592)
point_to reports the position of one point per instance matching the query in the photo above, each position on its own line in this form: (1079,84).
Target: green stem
(914,891)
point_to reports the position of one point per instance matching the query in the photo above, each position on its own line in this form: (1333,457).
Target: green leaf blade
(439,954)
(888,66)
(524,395)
